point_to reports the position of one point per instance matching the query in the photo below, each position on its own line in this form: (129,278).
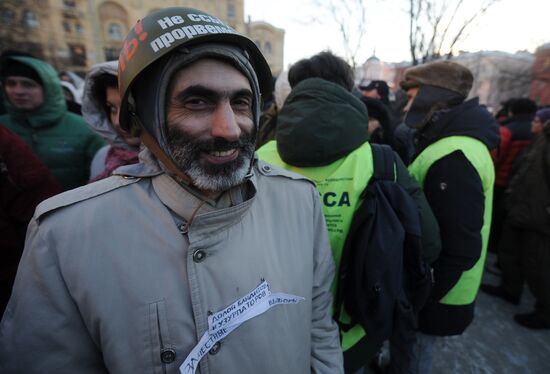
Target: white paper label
(222,323)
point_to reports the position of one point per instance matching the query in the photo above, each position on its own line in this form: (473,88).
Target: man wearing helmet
(198,259)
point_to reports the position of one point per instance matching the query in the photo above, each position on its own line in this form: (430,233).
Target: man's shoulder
(268,170)
(81,194)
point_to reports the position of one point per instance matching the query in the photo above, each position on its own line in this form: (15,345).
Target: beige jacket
(113,280)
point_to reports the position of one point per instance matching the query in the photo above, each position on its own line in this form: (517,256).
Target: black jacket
(455,193)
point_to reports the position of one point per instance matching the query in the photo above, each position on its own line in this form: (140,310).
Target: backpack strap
(383,159)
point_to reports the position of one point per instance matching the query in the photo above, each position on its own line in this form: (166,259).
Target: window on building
(30,20)
(115,31)
(67,26)
(267,48)
(7,16)
(78,54)
(230,9)
(78,28)
(111,53)
(69,3)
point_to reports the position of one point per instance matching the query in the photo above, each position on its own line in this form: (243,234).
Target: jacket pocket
(162,350)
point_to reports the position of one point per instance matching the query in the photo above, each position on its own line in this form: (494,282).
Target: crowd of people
(183,211)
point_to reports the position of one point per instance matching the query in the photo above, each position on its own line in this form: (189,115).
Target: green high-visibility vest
(340,185)
(465,290)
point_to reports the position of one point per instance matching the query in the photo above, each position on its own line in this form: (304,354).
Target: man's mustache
(177,137)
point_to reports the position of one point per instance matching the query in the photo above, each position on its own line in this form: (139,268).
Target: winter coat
(528,198)
(24,182)
(455,193)
(97,118)
(321,124)
(60,139)
(516,136)
(130,287)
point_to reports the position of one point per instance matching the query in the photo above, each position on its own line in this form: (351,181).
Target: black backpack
(383,281)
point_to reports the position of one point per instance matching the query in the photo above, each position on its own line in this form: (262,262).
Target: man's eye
(112,109)
(243,102)
(195,102)
(28,85)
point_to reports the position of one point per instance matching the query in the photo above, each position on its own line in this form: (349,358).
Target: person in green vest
(37,112)
(453,165)
(322,133)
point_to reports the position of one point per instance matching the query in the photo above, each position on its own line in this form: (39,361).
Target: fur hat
(445,74)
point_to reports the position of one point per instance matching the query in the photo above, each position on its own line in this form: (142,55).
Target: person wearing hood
(73,98)
(101,108)
(198,259)
(453,165)
(322,133)
(37,112)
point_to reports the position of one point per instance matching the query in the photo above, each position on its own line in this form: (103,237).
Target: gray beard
(186,154)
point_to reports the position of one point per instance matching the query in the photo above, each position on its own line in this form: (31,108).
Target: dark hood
(467,119)
(320,123)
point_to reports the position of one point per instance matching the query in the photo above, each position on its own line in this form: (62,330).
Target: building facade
(498,76)
(270,40)
(540,86)
(75,34)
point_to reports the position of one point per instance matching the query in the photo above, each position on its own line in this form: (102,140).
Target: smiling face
(210,126)
(24,93)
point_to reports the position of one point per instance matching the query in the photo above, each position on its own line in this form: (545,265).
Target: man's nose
(18,88)
(115,117)
(224,123)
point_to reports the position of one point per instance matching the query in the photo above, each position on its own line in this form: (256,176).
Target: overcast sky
(509,25)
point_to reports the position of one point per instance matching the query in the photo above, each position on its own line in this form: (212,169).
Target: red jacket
(24,182)
(514,137)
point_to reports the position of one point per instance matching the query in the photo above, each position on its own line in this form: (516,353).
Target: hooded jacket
(322,123)
(95,116)
(136,297)
(60,139)
(454,191)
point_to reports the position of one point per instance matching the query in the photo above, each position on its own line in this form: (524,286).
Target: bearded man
(199,257)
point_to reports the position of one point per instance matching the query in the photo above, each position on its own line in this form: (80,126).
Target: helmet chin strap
(159,153)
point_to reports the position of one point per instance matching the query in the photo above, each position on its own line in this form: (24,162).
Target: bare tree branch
(466,24)
(434,29)
(350,19)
